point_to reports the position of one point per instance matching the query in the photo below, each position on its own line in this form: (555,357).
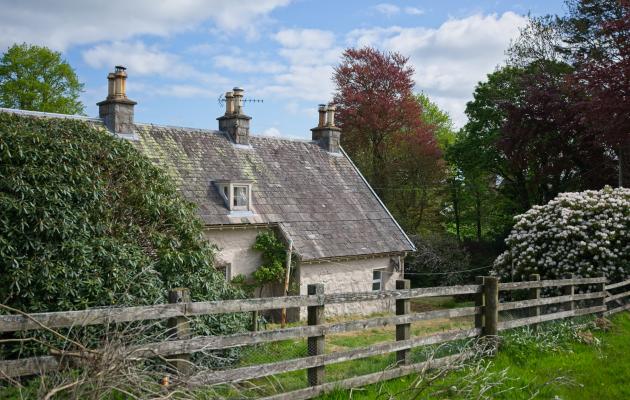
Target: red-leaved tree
(383,131)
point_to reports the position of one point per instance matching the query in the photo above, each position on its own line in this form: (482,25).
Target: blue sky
(183,54)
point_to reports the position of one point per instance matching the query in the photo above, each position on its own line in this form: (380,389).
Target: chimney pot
(322,115)
(238,100)
(229,103)
(330,117)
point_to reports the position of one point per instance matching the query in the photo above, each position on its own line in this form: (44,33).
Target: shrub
(86,220)
(585,233)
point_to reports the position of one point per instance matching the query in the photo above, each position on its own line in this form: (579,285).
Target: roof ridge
(48,114)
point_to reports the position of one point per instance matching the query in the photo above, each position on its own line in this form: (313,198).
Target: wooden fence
(488,311)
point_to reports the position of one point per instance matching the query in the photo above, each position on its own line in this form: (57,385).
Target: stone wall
(351,276)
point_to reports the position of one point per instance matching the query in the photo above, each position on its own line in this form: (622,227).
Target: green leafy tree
(38,79)
(86,221)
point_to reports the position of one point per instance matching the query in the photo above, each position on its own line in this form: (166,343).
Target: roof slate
(319,199)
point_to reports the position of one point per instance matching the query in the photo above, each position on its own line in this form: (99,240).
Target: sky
(182,55)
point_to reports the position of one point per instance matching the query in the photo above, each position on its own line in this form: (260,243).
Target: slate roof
(318,199)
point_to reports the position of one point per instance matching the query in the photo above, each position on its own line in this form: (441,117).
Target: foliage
(86,220)
(274,259)
(37,78)
(384,133)
(437,262)
(586,234)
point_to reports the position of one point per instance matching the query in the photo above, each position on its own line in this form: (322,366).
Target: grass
(567,369)
(549,363)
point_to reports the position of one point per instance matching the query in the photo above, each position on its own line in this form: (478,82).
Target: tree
(38,79)
(598,37)
(384,133)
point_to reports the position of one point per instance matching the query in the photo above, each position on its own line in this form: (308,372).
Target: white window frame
(378,280)
(229,198)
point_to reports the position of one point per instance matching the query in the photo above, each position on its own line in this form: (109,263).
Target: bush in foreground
(86,220)
(585,233)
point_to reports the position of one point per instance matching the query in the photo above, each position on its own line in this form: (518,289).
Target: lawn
(568,369)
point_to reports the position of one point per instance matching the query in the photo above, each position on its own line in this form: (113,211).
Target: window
(224,268)
(240,198)
(377,279)
(236,194)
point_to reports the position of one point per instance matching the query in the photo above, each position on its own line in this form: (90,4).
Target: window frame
(229,198)
(226,269)
(378,280)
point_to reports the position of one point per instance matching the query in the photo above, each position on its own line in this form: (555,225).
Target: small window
(377,280)
(235,194)
(224,269)
(241,197)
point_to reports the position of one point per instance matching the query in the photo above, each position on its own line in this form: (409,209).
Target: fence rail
(489,318)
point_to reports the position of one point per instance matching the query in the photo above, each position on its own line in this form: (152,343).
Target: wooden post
(403,331)
(569,291)
(491,311)
(601,287)
(534,294)
(254,321)
(283,317)
(479,302)
(315,316)
(179,328)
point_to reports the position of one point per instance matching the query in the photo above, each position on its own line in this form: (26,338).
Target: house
(308,191)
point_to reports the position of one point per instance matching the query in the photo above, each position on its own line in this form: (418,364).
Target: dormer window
(237,195)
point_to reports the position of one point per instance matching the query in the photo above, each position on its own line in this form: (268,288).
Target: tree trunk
(456,209)
(478,213)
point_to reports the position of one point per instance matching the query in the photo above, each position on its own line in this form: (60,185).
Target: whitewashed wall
(235,247)
(350,276)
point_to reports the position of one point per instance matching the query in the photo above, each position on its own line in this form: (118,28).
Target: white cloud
(305,38)
(390,10)
(451,59)
(414,11)
(310,55)
(271,132)
(248,63)
(63,23)
(387,9)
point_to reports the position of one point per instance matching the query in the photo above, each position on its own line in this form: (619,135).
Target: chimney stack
(326,134)
(234,122)
(116,110)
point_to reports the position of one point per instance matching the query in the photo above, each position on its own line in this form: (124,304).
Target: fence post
(254,321)
(491,310)
(315,316)
(602,288)
(403,331)
(534,294)
(479,302)
(179,328)
(569,291)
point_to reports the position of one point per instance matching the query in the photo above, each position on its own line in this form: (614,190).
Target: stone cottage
(308,191)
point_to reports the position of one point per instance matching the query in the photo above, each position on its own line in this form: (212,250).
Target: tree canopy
(38,79)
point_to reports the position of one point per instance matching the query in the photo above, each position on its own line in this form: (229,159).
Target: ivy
(274,258)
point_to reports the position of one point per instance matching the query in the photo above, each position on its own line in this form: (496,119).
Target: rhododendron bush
(585,233)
